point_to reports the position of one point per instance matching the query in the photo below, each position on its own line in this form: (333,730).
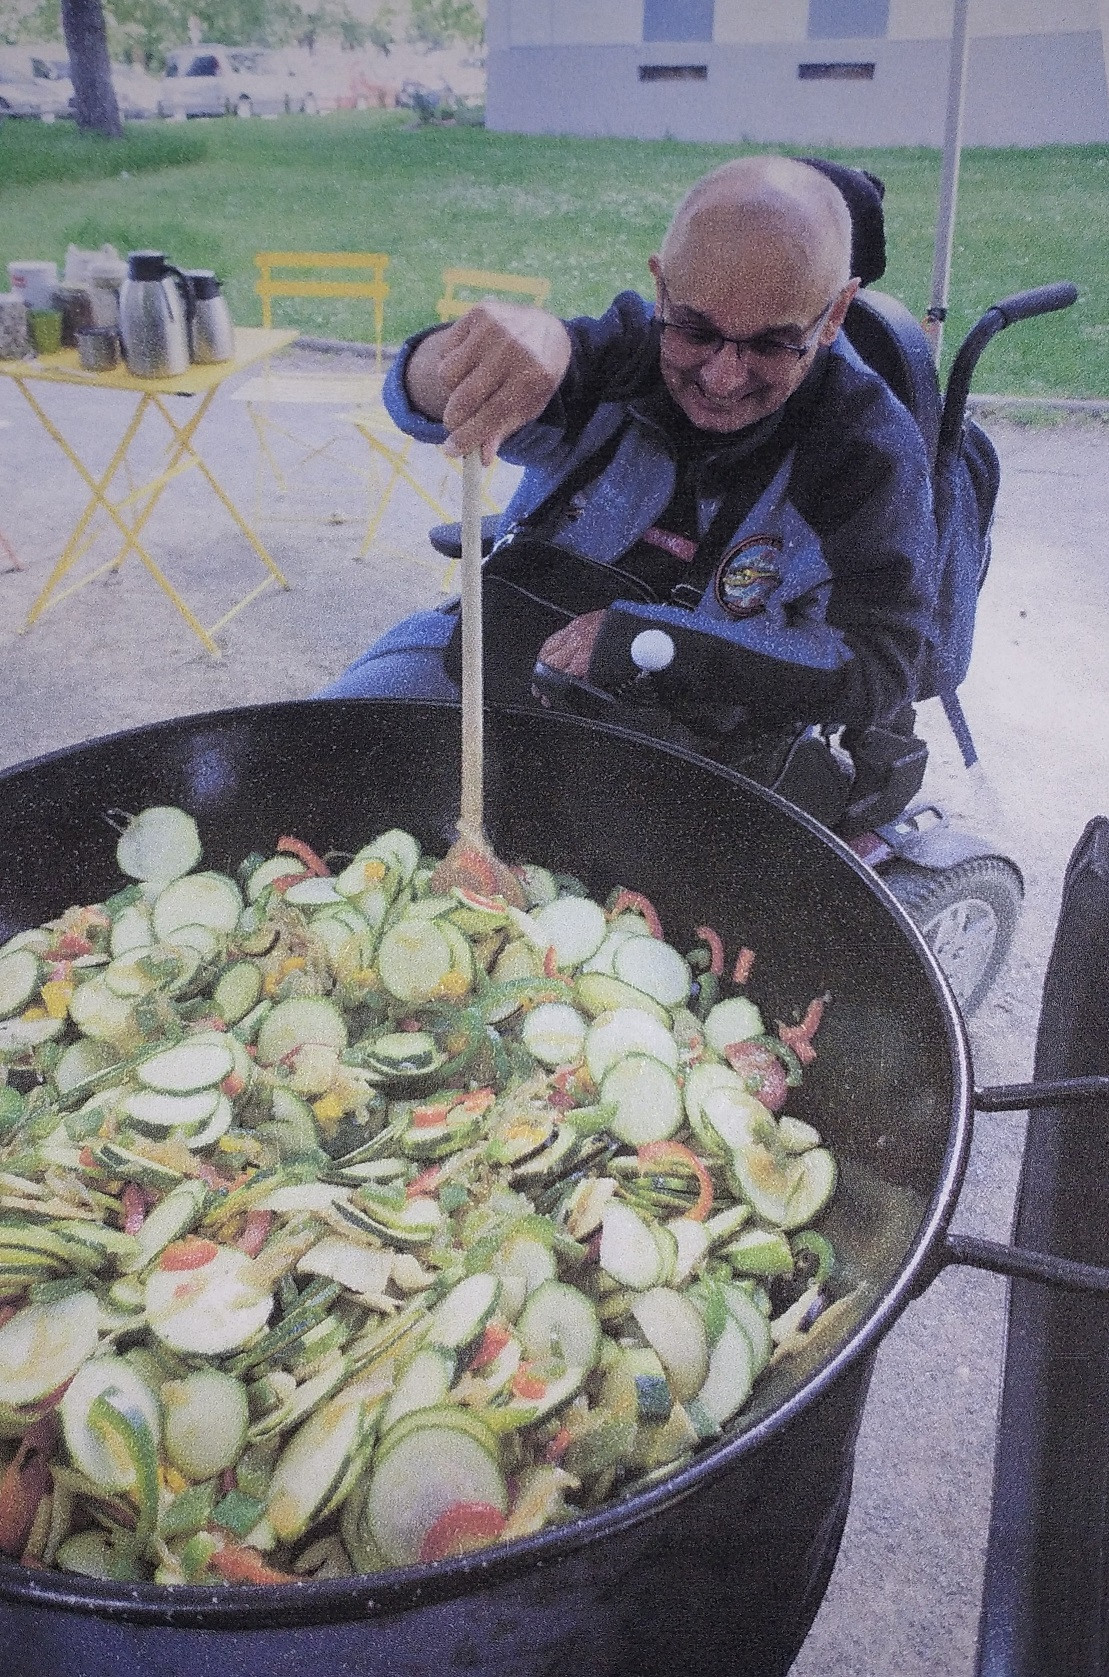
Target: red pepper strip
(304,853)
(7,1311)
(654,1151)
(744,961)
(463,1527)
(643,905)
(190,1253)
(716,948)
(763,1073)
(22,1488)
(528,1385)
(283,881)
(493,1342)
(799,1037)
(133,1202)
(558,1445)
(425,1183)
(255,1232)
(427,1117)
(72,944)
(550,962)
(242,1565)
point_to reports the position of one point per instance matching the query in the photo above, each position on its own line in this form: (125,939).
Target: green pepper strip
(124,1428)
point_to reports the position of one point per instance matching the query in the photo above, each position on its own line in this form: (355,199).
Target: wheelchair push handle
(1042,299)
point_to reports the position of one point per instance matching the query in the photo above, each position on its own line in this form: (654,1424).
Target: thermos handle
(186,290)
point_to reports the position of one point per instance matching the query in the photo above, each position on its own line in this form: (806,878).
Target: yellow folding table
(131,512)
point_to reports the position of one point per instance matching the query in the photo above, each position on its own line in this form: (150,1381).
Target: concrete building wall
(1037,74)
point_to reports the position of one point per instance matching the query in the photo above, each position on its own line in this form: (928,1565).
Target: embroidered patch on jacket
(748,574)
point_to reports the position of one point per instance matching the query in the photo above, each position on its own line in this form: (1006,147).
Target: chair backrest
(891,340)
(299,280)
(463,287)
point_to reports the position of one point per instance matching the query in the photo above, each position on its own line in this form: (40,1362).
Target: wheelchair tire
(968,915)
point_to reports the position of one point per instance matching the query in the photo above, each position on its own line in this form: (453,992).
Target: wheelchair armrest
(447,538)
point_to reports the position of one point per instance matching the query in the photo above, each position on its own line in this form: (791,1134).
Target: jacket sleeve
(845,649)
(607,354)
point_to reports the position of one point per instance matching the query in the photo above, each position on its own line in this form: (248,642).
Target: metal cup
(98,348)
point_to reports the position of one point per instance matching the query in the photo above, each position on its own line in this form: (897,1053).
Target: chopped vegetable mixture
(344,1225)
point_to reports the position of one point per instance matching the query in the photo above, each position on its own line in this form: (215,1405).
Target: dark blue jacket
(819,602)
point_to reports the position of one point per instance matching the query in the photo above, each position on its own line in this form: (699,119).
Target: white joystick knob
(652,650)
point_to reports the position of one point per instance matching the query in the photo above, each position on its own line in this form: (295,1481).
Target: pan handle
(1019,1261)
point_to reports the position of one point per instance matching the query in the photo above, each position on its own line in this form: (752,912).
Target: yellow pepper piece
(32,1013)
(55,994)
(451,988)
(172,1480)
(328,1108)
(373,872)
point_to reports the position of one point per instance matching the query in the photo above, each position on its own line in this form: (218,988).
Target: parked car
(136,92)
(209,80)
(34,86)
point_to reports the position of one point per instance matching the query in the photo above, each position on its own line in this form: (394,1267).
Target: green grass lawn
(585,213)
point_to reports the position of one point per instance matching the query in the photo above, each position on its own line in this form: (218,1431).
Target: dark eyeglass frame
(706,341)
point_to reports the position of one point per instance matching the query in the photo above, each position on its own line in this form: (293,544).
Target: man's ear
(656,273)
(839,312)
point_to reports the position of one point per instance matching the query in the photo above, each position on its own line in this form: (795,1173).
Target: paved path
(904,1599)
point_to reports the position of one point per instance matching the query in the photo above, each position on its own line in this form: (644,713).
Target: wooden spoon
(471,862)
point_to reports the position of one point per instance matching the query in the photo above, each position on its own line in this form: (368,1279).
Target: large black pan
(721,1568)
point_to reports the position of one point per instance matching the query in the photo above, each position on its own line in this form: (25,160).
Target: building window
(830,20)
(673,72)
(677,20)
(836,72)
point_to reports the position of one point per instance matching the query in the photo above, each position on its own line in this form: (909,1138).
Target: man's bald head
(758,252)
(770,213)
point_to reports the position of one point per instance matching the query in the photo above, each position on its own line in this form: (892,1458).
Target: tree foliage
(445,23)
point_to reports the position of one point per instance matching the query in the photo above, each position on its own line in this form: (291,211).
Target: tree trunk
(90,68)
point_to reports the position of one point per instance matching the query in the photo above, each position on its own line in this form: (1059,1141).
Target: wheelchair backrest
(890,339)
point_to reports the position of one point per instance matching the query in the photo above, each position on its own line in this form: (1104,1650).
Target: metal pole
(949,181)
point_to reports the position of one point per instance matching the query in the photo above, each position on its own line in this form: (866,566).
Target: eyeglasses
(699,341)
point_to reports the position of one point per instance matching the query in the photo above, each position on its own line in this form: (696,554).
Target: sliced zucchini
(788,1191)
(627,1030)
(654,967)
(236,991)
(275,867)
(188,1067)
(629,1251)
(159,844)
(432,1468)
(754,1322)
(675,1329)
(151,1110)
(43,1345)
(20,976)
(733,1020)
(559,1321)
(462,1314)
(178,1213)
(645,1097)
(298,1022)
(413,959)
(317,891)
(600,992)
(210,1311)
(93,1451)
(423,1384)
(554,1034)
(574,927)
(358,1268)
(199,899)
(205,1422)
(730,1377)
(95,1009)
(317,1464)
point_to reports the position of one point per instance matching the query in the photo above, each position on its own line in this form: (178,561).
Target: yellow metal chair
(302,274)
(463,287)
(299,263)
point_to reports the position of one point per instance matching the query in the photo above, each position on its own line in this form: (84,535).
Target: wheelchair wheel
(968,915)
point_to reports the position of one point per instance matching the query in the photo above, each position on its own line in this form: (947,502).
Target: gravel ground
(905,1596)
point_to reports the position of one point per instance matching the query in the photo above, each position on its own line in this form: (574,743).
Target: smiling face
(759,253)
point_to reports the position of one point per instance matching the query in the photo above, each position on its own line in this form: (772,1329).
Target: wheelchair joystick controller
(652,651)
